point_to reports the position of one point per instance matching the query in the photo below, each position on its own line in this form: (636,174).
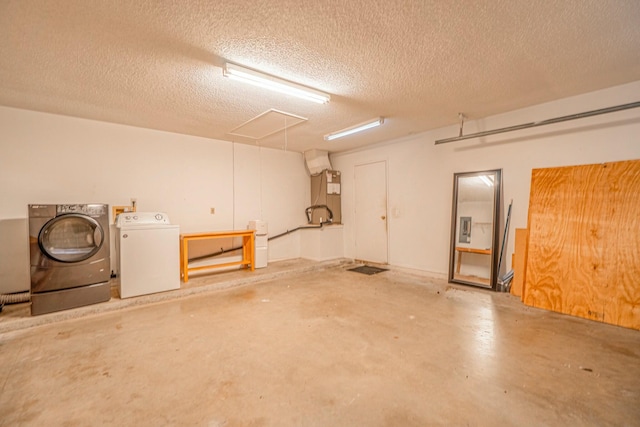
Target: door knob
(383,217)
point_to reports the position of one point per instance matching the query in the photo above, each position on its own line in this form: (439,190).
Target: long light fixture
(275,84)
(354,129)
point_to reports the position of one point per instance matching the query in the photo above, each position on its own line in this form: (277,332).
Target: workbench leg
(245,253)
(181,255)
(252,251)
(185,260)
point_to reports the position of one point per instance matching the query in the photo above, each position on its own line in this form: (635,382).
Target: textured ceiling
(157,64)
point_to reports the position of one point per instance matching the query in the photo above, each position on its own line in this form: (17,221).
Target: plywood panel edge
(519,263)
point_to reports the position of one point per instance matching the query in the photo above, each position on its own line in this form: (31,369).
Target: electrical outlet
(213,211)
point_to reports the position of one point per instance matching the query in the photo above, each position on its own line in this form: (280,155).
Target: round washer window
(71,238)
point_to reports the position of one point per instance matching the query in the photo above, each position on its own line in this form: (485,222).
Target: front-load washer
(148,247)
(69,251)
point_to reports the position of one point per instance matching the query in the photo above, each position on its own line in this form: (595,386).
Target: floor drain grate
(368,270)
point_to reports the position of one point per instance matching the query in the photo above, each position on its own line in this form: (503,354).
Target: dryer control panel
(94,209)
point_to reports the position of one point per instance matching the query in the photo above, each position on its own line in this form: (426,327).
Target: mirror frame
(495,229)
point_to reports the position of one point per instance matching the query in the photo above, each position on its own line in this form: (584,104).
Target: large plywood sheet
(583,252)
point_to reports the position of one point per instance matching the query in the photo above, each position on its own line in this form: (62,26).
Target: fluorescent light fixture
(275,84)
(353,129)
(486,180)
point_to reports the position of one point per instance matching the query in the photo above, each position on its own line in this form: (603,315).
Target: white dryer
(148,248)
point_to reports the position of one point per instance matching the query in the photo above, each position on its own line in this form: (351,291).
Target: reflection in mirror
(474,228)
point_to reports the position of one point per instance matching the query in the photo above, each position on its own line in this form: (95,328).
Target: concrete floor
(321,347)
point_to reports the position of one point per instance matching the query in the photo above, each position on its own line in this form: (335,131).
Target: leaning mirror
(473,258)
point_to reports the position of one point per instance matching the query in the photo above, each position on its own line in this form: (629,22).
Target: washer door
(71,238)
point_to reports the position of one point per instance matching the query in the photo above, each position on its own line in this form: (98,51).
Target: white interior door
(371,212)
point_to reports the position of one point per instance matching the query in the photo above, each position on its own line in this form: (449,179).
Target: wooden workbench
(462,250)
(248,250)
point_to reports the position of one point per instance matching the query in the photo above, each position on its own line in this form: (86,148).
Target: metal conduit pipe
(540,123)
(15,298)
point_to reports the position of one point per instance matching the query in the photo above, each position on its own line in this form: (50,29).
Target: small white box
(261,241)
(258,225)
(262,257)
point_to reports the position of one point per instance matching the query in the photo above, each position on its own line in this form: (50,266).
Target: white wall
(46,158)
(322,244)
(420,174)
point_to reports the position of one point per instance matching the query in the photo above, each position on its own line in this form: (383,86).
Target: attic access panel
(270,122)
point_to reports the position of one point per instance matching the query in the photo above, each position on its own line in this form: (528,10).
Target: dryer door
(71,238)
